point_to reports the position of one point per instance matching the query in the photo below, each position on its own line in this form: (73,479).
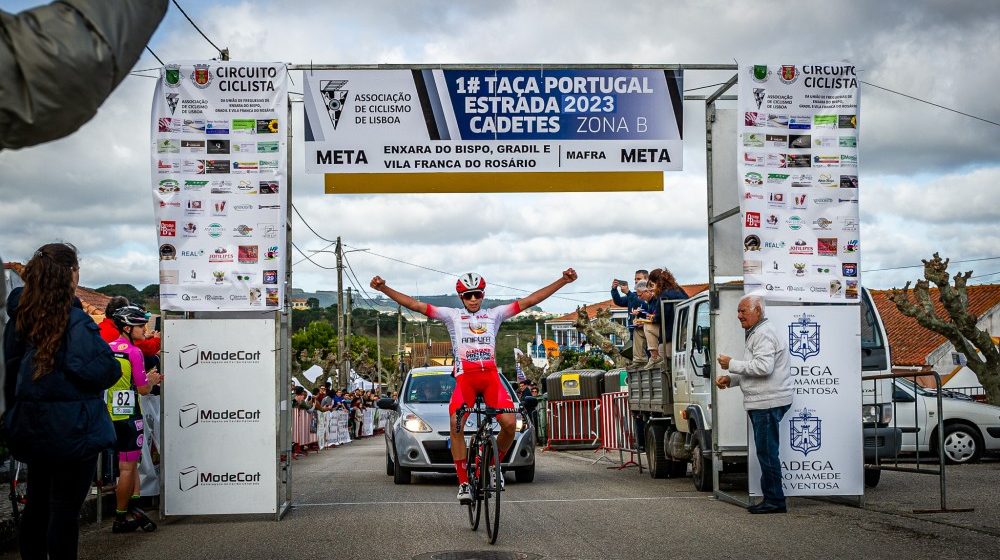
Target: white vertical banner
(821,437)
(219,417)
(798,177)
(219,170)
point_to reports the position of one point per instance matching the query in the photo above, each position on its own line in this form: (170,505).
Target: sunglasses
(472,295)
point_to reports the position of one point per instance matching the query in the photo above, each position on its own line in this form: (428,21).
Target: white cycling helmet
(470,281)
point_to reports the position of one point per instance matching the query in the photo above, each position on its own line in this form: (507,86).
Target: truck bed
(650,390)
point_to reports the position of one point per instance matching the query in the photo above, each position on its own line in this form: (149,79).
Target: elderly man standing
(764,375)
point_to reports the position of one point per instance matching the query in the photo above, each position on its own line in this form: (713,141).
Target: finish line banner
(532,123)
(218,178)
(798,171)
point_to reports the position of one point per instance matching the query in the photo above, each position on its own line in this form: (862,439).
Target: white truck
(672,410)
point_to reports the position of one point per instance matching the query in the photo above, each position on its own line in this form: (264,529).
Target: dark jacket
(630,300)
(668,322)
(91,45)
(62,415)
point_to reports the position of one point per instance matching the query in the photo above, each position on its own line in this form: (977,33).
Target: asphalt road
(347,508)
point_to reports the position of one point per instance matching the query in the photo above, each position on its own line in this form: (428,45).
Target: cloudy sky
(930,178)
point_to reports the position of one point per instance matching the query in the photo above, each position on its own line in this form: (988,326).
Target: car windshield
(436,387)
(430,387)
(908,384)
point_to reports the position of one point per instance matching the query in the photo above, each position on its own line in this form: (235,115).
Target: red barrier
(617,433)
(573,423)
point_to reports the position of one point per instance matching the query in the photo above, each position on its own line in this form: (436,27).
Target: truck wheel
(655,458)
(872,476)
(525,474)
(701,466)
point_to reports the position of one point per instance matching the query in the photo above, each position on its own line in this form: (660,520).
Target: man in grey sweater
(764,375)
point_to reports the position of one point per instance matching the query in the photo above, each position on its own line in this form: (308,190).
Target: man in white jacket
(764,375)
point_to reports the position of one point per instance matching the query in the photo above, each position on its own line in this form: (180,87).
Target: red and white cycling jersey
(473,335)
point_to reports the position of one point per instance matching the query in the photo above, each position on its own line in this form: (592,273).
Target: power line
(984,275)
(308,258)
(154,56)
(221,54)
(453,275)
(921,265)
(304,259)
(931,103)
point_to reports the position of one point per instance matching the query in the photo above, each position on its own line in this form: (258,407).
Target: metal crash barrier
(573,424)
(878,465)
(617,432)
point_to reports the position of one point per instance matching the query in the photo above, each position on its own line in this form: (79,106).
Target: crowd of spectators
(326,399)
(655,290)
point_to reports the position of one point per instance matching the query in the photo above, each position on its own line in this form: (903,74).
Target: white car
(970,428)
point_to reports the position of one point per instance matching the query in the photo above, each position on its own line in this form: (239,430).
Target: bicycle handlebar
(463,410)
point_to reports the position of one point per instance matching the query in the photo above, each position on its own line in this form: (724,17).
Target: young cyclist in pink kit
(473,338)
(123,406)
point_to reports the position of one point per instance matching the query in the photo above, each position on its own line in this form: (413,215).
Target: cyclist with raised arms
(473,339)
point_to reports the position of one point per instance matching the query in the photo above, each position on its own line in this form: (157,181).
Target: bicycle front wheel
(472,459)
(490,488)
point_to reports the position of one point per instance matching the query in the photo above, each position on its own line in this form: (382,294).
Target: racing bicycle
(484,482)
(18,489)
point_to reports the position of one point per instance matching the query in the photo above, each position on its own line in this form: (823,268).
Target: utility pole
(378,348)
(399,343)
(342,371)
(347,333)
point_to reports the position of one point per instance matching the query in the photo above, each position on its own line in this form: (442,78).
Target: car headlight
(520,425)
(876,414)
(869,413)
(885,413)
(414,423)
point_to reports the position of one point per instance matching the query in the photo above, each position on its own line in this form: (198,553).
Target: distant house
(421,354)
(300,303)
(914,347)
(94,303)
(563,329)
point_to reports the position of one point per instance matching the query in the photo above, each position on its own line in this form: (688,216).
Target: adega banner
(481,121)
(218,180)
(798,173)
(821,435)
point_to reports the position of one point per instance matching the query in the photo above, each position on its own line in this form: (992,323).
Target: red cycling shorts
(487,383)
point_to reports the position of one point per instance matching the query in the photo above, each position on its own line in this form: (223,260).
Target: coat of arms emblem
(201,76)
(172,75)
(803,337)
(806,431)
(759,72)
(788,74)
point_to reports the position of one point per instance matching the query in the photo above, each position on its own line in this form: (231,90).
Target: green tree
(127,290)
(313,303)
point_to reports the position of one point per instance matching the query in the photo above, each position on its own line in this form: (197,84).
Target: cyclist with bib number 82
(473,340)
(123,406)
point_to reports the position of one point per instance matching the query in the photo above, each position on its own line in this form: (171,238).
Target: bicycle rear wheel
(18,490)
(490,488)
(475,506)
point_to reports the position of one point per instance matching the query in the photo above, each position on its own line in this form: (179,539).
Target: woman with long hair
(58,368)
(665,289)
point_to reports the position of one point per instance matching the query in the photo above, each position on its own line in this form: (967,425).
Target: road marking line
(451,503)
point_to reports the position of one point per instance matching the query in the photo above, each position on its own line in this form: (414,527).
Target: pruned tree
(960,324)
(596,331)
